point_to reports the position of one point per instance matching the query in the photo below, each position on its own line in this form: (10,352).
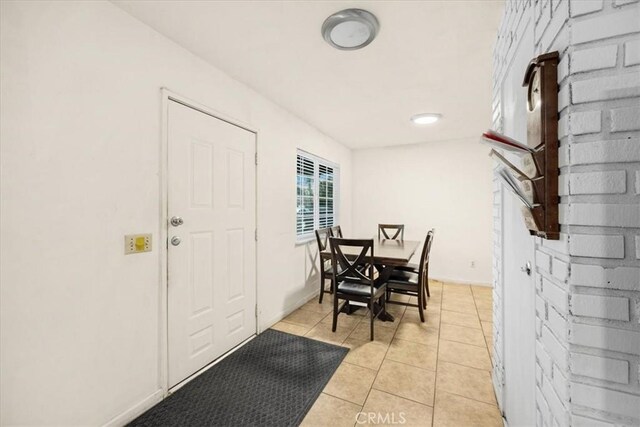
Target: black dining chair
(407,280)
(398,228)
(353,277)
(416,267)
(336,231)
(322,237)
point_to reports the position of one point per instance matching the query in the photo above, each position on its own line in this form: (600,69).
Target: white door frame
(163,315)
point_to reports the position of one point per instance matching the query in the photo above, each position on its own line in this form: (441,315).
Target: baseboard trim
(462,282)
(136,410)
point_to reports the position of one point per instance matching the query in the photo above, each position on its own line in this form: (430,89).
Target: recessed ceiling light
(426,118)
(350,29)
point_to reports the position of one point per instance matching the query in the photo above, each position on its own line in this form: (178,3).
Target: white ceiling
(429,56)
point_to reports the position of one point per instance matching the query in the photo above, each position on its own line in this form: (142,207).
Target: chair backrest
(348,268)
(424,257)
(336,231)
(322,237)
(399,231)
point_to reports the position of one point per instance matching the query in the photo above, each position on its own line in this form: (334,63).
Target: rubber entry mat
(273,380)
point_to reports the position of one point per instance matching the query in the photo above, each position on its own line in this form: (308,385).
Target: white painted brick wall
(585,122)
(605,400)
(556,349)
(601,214)
(625,119)
(596,246)
(580,421)
(558,324)
(609,182)
(604,26)
(596,276)
(594,58)
(610,151)
(608,87)
(585,7)
(601,368)
(605,338)
(612,308)
(587,300)
(632,53)
(555,295)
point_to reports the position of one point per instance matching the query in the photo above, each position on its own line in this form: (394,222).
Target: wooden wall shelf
(541,81)
(535,181)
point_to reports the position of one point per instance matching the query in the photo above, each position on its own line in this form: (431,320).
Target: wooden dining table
(387,254)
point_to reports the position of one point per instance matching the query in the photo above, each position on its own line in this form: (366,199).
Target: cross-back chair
(336,231)
(322,237)
(353,277)
(391,231)
(413,280)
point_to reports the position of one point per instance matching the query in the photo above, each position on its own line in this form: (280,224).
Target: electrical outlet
(137,243)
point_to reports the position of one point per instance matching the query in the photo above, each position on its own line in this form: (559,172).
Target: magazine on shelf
(500,158)
(503,142)
(524,193)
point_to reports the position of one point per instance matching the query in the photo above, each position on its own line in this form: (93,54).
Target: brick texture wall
(588,282)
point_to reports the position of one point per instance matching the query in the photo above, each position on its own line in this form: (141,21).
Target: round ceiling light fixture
(350,29)
(426,118)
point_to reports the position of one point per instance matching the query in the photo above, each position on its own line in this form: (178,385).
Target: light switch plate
(137,243)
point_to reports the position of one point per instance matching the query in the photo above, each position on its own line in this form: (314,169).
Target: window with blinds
(316,195)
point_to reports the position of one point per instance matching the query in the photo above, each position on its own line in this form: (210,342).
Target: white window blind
(316,195)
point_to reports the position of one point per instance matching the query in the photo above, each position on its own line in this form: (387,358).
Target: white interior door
(518,246)
(519,319)
(211,255)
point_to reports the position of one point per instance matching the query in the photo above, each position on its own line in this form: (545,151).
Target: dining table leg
(384,273)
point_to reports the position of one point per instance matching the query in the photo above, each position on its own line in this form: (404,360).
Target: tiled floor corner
(436,373)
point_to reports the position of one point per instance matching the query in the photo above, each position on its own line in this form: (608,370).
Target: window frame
(317,161)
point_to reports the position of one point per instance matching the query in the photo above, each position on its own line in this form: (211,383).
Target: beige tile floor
(435,373)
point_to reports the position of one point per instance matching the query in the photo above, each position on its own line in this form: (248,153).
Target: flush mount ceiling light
(350,29)
(426,118)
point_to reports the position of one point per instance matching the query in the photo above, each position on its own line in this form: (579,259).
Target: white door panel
(518,249)
(211,277)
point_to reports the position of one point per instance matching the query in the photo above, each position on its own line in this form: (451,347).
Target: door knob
(176,221)
(526,268)
(175,240)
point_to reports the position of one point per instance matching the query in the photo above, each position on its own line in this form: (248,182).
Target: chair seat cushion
(352,288)
(404,276)
(408,267)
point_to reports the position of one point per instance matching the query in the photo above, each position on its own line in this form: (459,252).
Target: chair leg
(421,300)
(425,294)
(426,283)
(335,313)
(321,285)
(371,310)
(384,303)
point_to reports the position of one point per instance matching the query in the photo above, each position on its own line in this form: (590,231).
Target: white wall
(80,149)
(587,283)
(443,185)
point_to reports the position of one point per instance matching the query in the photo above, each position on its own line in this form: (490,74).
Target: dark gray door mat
(273,380)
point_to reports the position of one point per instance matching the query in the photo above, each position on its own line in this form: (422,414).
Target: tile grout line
(380,367)
(487,346)
(339,398)
(435,382)
(471,398)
